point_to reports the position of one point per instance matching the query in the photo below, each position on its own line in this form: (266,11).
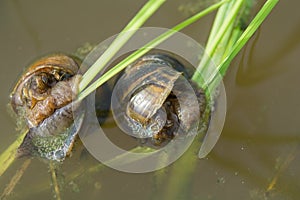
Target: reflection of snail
(43,99)
(153,100)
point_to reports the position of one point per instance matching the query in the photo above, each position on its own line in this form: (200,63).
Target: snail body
(43,98)
(154,99)
(43,88)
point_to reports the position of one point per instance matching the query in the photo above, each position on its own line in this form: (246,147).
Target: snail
(155,99)
(43,99)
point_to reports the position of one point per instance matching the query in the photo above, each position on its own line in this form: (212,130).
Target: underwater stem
(175,187)
(9,155)
(15,179)
(54,180)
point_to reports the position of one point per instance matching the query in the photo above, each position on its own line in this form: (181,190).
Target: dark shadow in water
(268,64)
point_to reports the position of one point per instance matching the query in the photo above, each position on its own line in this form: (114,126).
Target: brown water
(260,143)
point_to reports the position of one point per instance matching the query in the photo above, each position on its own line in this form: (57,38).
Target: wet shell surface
(154,99)
(43,99)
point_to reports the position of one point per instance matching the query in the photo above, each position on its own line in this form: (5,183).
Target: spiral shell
(43,98)
(43,88)
(154,99)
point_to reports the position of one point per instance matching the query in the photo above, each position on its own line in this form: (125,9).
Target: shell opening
(153,100)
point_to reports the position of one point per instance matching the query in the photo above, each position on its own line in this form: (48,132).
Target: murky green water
(260,143)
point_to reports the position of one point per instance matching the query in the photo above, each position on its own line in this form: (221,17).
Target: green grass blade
(246,35)
(134,56)
(9,155)
(148,9)
(218,21)
(210,49)
(174,188)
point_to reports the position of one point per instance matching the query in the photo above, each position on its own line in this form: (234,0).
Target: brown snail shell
(154,100)
(43,98)
(42,88)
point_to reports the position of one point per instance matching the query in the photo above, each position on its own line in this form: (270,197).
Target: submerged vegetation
(232,28)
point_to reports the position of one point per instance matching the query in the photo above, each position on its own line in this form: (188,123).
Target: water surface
(260,141)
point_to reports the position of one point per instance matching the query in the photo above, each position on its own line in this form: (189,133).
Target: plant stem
(9,155)
(227,21)
(218,21)
(185,166)
(15,179)
(134,56)
(81,172)
(243,39)
(139,19)
(54,180)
